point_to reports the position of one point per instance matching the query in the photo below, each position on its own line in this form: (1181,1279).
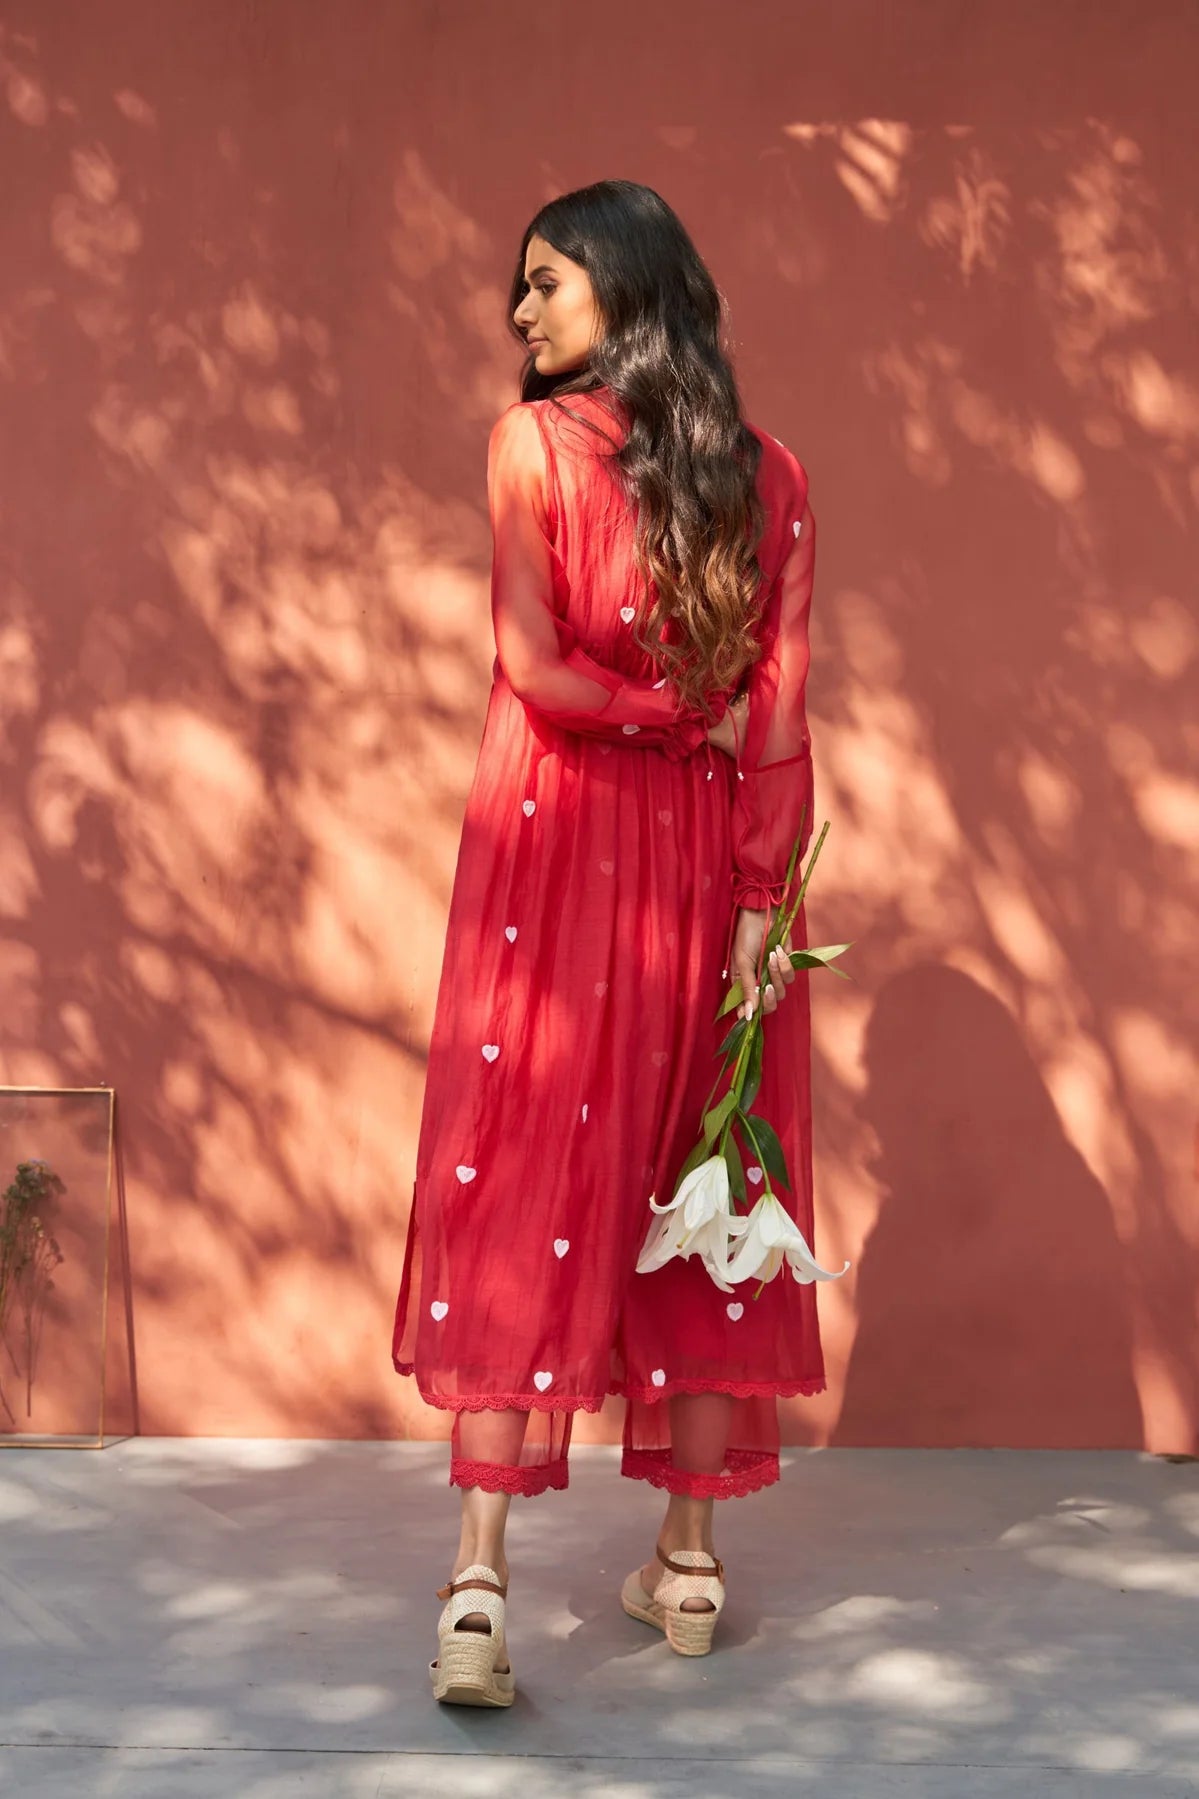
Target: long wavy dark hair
(688,462)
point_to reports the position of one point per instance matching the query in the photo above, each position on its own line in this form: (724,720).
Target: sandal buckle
(464,1586)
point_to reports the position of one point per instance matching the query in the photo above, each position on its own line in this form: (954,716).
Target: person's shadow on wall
(992,1293)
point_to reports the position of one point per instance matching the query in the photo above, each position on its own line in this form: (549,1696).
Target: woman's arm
(776,788)
(537,649)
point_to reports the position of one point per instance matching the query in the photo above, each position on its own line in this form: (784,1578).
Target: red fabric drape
(604,846)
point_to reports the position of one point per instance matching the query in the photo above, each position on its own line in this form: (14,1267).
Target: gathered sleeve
(775,762)
(537,649)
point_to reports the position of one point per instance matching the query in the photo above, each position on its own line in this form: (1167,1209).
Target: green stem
(793,858)
(743,1048)
(737,1082)
(738,1067)
(765,1179)
(776,933)
(748,1129)
(803,887)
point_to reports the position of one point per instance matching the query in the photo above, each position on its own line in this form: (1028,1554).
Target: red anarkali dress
(604,850)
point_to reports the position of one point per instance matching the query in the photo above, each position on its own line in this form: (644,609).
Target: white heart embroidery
(439,1308)
(753,1174)
(510,932)
(528,807)
(665,818)
(606,868)
(541,1380)
(601,987)
(628,613)
(464,1173)
(561,1245)
(630,730)
(735,1310)
(795,527)
(490,1051)
(659,1058)
(584,1114)
(659,1377)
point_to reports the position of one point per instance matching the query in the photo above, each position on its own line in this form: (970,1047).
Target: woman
(643,773)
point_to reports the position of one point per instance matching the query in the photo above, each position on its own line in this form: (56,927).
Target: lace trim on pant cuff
(747,1470)
(496,1477)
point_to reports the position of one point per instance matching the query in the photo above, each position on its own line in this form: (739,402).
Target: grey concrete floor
(187,1618)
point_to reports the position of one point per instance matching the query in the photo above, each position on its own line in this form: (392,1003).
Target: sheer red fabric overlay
(604,850)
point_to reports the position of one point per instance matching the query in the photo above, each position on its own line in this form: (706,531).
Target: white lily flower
(772,1237)
(698,1221)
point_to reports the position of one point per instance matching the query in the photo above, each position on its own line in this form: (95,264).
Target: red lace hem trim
(577,1402)
(748,1472)
(496,1477)
(739,1389)
(505,1402)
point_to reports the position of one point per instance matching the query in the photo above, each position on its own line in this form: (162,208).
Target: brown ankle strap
(668,1561)
(462,1586)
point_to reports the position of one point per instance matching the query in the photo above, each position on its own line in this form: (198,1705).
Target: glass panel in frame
(55,1201)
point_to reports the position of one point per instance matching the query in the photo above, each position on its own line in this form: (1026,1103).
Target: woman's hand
(778,973)
(721,734)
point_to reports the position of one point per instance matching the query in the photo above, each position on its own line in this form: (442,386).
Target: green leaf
(735,997)
(732,1156)
(734,1037)
(819,958)
(714,1120)
(698,1154)
(753,1073)
(770,1149)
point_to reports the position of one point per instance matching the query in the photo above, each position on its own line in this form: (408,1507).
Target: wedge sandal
(465,1671)
(689,1574)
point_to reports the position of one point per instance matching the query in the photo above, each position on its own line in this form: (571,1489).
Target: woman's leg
(481,1539)
(486,1437)
(699,1428)
(490,1438)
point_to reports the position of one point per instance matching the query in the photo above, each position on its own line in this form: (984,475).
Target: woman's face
(558,316)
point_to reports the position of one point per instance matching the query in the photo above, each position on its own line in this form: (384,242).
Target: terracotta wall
(253,263)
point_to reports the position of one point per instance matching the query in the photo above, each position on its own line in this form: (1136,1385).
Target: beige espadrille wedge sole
(690,1574)
(465,1671)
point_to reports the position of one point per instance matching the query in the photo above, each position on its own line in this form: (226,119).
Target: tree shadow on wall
(244,665)
(245,648)
(993,1291)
